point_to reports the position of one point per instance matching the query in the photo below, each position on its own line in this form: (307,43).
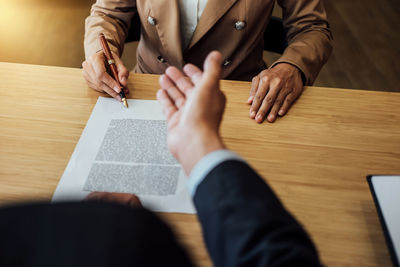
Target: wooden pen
(113,67)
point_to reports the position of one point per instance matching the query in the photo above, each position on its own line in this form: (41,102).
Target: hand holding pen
(96,76)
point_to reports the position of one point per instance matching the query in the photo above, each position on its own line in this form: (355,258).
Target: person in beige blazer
(233,27)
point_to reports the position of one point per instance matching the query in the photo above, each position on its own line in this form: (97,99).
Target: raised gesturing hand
(193,106)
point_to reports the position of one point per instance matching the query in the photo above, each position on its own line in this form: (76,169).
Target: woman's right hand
(95,73)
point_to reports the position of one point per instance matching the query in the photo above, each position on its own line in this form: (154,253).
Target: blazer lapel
(168,28)
(213,11)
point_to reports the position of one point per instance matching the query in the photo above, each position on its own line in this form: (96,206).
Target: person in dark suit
(244,223)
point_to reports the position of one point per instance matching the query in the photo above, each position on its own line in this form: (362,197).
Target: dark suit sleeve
(244,223)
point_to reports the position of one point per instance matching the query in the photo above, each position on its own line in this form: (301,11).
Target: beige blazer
(309,37)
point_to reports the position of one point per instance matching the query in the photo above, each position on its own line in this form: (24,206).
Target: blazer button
(226,63)
(161,59)
(152,20)
(240,25)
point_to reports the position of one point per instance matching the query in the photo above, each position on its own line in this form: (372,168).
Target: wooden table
(316,158)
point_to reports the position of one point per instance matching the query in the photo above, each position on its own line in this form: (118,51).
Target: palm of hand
(193,106)
(178,122)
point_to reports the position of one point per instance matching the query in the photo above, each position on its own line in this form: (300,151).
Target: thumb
(212,66)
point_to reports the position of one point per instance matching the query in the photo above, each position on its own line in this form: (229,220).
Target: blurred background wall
(366,53)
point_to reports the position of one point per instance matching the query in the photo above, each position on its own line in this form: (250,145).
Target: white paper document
(125,150)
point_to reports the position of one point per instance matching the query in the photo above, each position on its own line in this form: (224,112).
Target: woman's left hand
(273,92)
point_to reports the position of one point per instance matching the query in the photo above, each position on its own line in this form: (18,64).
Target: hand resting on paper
(193,106)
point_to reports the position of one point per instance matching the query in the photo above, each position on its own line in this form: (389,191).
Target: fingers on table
(262,90)
(277,105)
(271,101)
(289,100)
(254,85)
(272,97)
(167,105)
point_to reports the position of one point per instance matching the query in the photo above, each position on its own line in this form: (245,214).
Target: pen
(111,63)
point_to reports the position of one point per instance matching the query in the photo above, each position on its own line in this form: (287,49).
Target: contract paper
(125,150)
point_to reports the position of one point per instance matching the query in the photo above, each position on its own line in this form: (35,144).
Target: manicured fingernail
(280,112)
(252,114)
(250,99)
(116,89)
(259,117)
(271,117)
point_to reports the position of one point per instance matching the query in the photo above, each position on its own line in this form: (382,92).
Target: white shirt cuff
(207,164)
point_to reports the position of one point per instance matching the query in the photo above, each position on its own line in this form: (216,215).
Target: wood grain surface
(316,158)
